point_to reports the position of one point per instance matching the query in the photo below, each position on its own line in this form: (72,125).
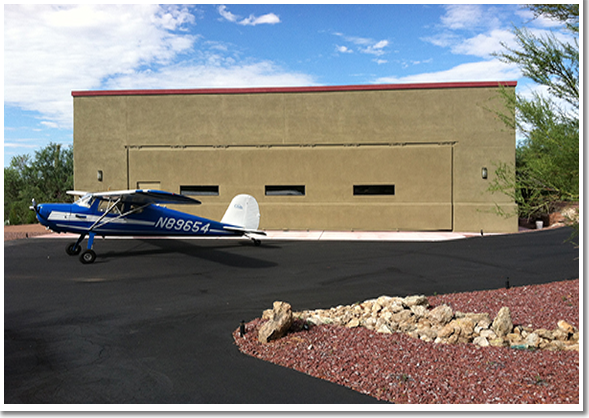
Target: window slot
(199,190)
(285,190)
(374,190)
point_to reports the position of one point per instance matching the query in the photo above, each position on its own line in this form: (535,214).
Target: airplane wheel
(88,257)
(70,249)
(257,242)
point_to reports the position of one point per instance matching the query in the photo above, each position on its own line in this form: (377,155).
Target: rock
(498,342)
(449,329)
(419,311)
(267,314)
(482,320)
(396,307)
(369,323)
(481,341)
(502,324)
(426,333)
(403,316)
(566,327)
(411,316)
(555,345)
(416,300)
(466,327)
(488,334)
(383,329)
(440,315)
(544,333)
(532,340)
(560,335)
(278,324)
(354,323)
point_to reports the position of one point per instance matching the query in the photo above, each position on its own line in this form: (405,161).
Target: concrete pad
(400,236)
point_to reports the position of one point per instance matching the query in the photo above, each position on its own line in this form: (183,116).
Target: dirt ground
(24,231)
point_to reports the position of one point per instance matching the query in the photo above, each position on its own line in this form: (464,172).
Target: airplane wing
(144,196)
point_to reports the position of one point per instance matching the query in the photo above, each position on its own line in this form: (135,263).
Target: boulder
(354,323)
(532,340)
(440,315)
(488,334)
(279,321)
(502,324)
(426,333)
(566,327)
(481,341)
(449,329)
(419,311)
(411,315)
(466,326)
(416,300)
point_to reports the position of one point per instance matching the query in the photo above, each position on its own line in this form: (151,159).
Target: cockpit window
(85,201)
(105,204)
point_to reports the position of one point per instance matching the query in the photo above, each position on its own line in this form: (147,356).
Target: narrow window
(374,190)
(199,190)
(285,190)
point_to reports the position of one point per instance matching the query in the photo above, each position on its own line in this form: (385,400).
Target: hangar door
(329,187)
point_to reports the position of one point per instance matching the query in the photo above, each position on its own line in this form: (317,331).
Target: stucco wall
(430,142)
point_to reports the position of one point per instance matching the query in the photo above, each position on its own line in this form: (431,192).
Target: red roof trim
(254,90)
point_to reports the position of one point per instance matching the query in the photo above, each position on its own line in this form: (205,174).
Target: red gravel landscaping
(401,369)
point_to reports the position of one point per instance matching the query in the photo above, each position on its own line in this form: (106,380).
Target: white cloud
(21,144)
(252,20)
(541,21)
(462,16)
(51,50)
(365,45)
(376,49)
(223,73)
(227,14)
(485,44)
(470,17)
(343,49)
(457,27)
(492,70)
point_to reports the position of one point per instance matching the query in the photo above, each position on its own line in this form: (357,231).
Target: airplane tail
(243,212)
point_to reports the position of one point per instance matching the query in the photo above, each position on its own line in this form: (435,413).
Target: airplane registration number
(182,225)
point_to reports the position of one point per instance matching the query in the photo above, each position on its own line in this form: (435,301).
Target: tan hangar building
(371,157)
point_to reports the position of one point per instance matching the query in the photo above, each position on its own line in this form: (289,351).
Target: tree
(46,178)
(547,158)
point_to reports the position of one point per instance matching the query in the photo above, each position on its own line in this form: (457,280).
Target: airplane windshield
(84,201)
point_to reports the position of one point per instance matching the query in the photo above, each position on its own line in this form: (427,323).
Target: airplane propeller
(34,206)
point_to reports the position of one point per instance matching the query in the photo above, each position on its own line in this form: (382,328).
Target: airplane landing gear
(73,249)
(88,257)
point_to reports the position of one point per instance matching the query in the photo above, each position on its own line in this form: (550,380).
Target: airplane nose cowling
(42,214)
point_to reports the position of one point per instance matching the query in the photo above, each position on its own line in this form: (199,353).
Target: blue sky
(50,51)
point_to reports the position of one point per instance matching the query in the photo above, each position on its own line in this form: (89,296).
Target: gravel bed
(401,369)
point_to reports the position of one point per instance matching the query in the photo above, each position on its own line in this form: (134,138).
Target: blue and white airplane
(140,213)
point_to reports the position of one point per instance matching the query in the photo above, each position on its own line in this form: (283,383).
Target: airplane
(141,213)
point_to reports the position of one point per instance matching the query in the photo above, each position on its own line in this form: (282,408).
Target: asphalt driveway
(151,320)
